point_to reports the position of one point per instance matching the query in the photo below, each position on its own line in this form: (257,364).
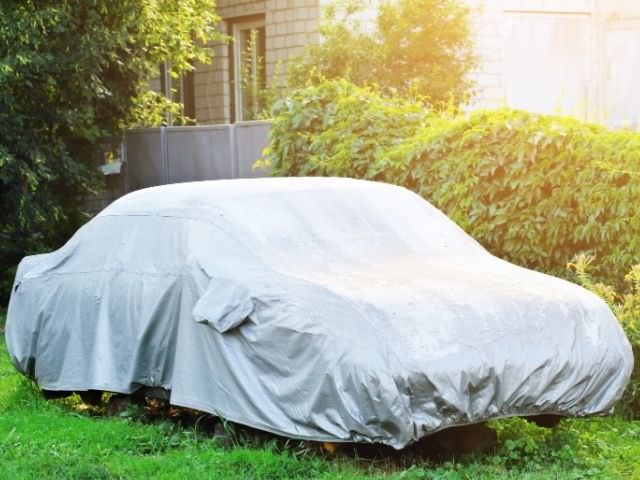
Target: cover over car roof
(316,308)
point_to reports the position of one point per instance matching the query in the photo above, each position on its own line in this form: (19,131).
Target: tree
(417,48)
(71,72)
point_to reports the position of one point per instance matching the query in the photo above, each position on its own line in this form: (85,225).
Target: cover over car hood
(316,308)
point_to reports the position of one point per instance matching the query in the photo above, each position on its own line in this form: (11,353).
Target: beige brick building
(283,28)
(580,57)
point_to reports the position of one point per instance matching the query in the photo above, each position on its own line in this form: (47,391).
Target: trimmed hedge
(533,189)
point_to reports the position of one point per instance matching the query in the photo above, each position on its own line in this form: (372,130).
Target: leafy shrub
(533,189)
(73,71)
(523,443)
(626,306)
(337,128)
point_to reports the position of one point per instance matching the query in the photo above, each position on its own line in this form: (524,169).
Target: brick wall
(487,38)
(289,26)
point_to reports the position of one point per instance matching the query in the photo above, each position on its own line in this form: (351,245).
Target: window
(179,90)
(248,73)
(546,62)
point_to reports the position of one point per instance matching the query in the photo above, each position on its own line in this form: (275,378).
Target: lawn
(58,440)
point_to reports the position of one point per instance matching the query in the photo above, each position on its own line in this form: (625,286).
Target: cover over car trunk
(323,309)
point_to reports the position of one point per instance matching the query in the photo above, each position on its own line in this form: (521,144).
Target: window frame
(235,28)
(185,91)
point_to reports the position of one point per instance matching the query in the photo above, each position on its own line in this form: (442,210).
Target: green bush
(337,128)
(533,189)
(626,306)
(71,72)
(418,47)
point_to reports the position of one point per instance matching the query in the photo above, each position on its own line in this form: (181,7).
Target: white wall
(546,61)
(621,77)
(579,57)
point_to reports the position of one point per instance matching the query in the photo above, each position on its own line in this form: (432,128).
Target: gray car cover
(316,308)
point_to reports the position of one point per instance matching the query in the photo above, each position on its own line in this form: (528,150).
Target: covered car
(315,308)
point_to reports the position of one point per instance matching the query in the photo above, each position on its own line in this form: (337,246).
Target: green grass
(55,440)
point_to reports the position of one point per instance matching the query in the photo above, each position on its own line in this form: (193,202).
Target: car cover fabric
(316,308)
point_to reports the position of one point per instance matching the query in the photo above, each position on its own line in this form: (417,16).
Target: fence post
(233,151)
(164,154)
(125,165)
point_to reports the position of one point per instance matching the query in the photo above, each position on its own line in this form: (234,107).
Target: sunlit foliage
(626,305)
(417,48)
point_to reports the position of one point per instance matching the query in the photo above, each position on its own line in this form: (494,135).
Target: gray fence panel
(145,160)
(156,156)
(199,153)
(251,138)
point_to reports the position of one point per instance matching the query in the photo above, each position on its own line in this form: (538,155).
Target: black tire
(91,397)
(545,421)
(54,394)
